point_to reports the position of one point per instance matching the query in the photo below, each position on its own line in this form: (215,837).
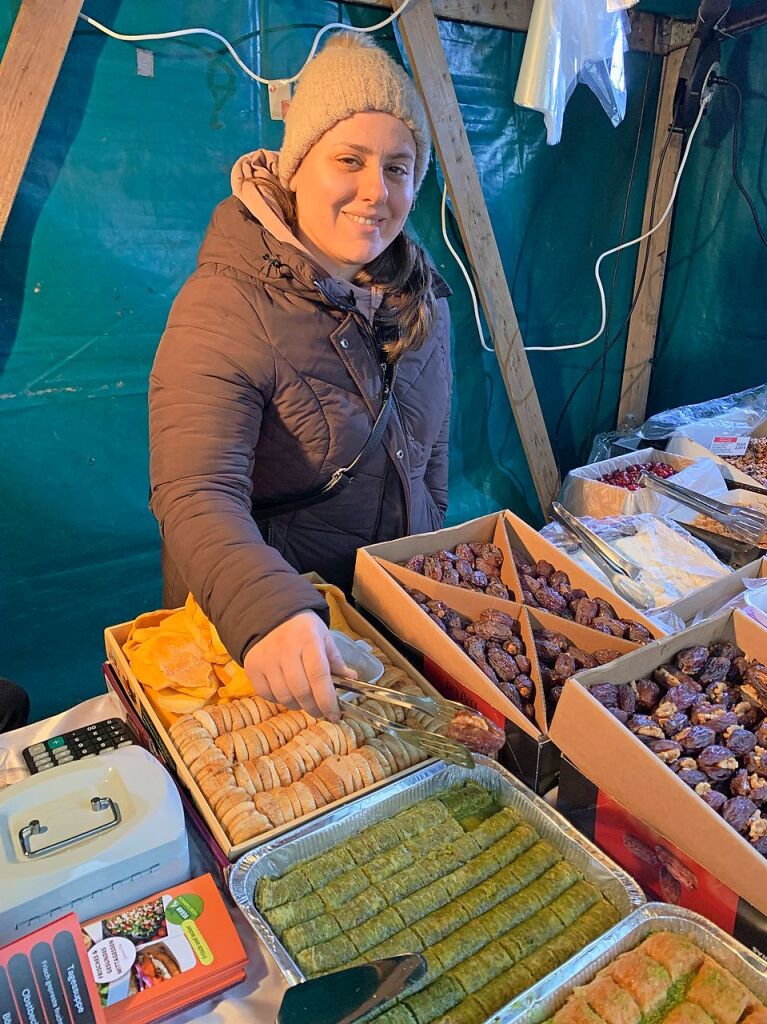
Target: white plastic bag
(571,41)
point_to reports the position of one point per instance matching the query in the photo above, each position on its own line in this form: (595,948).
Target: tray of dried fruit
(661,964)
(471,869)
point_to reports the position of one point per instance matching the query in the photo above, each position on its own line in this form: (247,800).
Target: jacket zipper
(368,330)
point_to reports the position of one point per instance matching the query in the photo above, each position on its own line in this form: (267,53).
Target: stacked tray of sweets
(469,868)
(661,964)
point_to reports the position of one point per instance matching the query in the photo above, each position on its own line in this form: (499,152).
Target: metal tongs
(624,575)
(743,523)
(438,708)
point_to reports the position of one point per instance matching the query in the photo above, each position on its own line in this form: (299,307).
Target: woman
(312,338)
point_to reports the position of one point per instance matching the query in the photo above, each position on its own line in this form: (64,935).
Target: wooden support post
(28,73)
(643,326)
(427,59)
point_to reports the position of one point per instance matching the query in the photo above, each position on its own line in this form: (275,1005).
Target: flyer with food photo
(142,952)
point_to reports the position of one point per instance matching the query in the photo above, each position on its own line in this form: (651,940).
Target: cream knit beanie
(349,76)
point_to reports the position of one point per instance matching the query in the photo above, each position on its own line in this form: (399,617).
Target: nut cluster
(704,715)
(559,659)
(545,587)
(493,643)
(754,461)
(471,566)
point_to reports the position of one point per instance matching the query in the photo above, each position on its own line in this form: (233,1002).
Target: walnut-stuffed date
(476,732)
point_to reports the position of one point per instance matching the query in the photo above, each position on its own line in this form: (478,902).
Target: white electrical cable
(626,245)
(209,32)
(465,273)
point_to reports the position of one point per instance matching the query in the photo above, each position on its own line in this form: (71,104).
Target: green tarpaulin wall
(113,205)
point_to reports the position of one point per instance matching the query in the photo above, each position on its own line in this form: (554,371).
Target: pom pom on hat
(350,75)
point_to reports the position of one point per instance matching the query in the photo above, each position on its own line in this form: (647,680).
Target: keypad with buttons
(90,741)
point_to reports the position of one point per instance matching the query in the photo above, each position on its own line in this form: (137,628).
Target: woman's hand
(292,666)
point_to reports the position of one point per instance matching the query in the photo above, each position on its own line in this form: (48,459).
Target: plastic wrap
(752,600)
(584,494)
(746,409)
(674,563)
(571,41)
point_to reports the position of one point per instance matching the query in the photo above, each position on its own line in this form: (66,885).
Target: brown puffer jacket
(265,382)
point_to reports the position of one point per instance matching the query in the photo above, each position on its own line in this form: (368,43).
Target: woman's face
(354,190)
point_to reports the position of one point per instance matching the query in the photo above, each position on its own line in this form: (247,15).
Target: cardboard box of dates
(467,648)
(667,748)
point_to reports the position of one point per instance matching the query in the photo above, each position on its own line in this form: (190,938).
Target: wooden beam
(643,326)
(28,73)
(515,15)
(427,59)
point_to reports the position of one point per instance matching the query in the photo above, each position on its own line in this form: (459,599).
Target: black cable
(719,80)
(632,175)
(619,333)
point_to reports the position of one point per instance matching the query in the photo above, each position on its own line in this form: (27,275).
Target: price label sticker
(729,445)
